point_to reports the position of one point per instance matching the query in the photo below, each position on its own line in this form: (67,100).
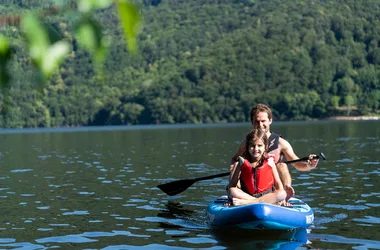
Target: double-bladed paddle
(176,187)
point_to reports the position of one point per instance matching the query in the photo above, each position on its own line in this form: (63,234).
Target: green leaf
(86,6)
(46,48)
(37,37)
(89,35)
(100,53)
(5,55)
(54,56)
(4,45)
(130,20)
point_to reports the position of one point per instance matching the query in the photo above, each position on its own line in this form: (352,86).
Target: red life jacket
(256,180)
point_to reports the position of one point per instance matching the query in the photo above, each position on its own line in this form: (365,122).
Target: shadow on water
(175,210)
(261,239)
(176,216)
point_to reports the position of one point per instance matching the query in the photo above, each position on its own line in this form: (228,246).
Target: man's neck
(268,133)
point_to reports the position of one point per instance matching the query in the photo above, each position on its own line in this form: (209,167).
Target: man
(261,118)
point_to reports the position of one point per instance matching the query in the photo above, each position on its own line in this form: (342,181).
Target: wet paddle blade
(176,187)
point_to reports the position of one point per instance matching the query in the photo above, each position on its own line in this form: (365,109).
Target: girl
(257,174)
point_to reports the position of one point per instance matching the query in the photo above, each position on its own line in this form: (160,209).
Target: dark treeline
(207,61)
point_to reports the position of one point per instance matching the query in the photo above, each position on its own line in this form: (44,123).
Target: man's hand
(313,161)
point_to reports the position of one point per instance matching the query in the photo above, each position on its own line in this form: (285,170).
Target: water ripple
(23,245)
(366,244)
(86,237)
(76,213)
(346,207)
(21,170)
(65,239)
(155,246)
(368,219)
(177,222)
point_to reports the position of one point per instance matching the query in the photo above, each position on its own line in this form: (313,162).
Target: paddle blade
(176,187)
(322,155)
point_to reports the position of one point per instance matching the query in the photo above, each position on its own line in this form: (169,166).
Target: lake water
(95,188)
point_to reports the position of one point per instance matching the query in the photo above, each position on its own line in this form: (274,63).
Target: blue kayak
(260,215)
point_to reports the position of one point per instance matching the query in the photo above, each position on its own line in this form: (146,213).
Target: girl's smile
(256,149)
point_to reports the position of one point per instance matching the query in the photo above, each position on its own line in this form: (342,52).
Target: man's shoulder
(283,144)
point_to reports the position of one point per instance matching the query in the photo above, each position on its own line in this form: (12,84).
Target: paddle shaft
(212,176)
(227,173)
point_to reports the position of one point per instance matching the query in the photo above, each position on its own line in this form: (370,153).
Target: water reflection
(336,242)
(265,239)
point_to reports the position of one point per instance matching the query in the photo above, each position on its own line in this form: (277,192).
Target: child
(257,174)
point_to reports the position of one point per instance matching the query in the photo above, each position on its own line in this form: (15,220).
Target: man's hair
(260,108)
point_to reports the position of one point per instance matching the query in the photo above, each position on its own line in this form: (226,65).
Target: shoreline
(354,118)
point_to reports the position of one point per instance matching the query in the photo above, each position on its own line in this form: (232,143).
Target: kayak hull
(260,215)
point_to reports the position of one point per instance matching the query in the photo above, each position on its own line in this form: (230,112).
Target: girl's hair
(252,136)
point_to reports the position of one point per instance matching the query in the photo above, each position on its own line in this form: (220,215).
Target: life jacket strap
(258,195)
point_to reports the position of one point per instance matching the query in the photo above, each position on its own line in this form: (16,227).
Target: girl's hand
(289,192)
(271,162)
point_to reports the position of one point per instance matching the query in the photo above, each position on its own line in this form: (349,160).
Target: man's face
(262,121)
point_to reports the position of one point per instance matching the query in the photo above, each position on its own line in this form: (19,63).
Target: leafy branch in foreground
(47,49)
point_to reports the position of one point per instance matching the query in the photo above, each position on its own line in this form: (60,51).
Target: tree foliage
(198,62)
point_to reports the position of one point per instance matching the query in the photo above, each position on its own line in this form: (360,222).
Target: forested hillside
(207,61)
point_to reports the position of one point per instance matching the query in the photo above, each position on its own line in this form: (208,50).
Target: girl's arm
(240,152)
(235,174)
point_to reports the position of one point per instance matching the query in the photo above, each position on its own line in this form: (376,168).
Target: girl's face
(256,149)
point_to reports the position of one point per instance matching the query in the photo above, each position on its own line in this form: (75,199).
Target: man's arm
(284,174)
(278,183)
(286,179)
(289,154)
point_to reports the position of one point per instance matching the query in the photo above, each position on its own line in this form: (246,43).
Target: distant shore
(354,118)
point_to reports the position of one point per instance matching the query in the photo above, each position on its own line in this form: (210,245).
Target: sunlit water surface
(95,188)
